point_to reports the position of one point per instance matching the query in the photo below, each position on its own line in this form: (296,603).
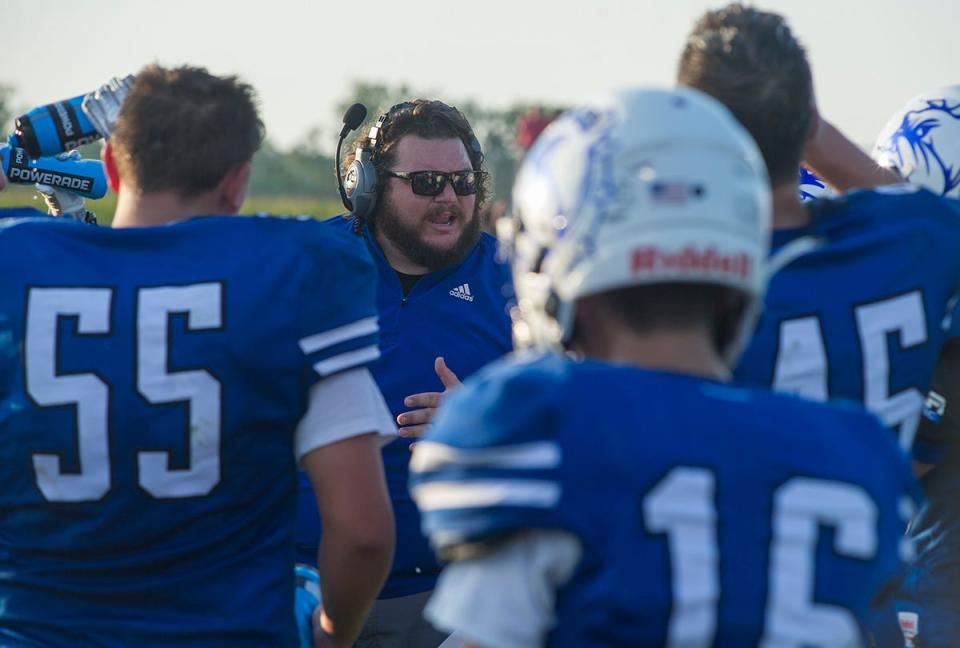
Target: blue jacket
(460,313)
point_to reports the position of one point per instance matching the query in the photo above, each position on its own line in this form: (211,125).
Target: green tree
(377,97)
(302,172)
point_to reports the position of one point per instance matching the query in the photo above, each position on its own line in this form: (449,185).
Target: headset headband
(374,134)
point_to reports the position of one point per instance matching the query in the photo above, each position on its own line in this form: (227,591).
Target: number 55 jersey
(588,504)
(152,386)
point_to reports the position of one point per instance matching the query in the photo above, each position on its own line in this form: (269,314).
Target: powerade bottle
(83,177)
(53,129)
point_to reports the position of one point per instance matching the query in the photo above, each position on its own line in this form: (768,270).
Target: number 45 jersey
(706,514)
(864,300)
(151,385)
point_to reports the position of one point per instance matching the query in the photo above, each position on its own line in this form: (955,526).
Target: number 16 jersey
(707,514)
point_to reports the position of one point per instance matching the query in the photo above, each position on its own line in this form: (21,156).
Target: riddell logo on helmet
(648,259)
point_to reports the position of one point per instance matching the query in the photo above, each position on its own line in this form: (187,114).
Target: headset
(358,190)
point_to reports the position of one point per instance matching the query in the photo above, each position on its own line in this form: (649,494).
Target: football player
(866,286)
(159,383)
(922,143)
(632,496)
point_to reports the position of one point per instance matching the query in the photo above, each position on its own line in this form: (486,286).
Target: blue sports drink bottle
(83,177)
(53,129)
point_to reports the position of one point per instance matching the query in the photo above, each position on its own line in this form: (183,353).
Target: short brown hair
(750,61)
(429,119)
(183,129)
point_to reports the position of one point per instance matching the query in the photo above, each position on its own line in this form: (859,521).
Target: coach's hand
(414,423)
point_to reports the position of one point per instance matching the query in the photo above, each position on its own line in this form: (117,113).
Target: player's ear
(233,188)
(110,166)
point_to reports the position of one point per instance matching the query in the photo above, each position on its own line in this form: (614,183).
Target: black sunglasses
(432,183)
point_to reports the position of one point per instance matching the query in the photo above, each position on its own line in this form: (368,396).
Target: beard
(409,239)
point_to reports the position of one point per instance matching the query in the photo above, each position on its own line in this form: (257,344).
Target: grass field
(20,196)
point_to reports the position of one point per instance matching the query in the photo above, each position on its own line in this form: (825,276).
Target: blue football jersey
(863,304)
(151,382)
(708,514)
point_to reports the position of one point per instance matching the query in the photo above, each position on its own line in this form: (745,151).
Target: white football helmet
(638,187)
(922,141)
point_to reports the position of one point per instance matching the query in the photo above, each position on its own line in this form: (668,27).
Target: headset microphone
(351,119)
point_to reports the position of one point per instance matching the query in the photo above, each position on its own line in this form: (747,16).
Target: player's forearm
(352,573)
(842,163)
(356,546)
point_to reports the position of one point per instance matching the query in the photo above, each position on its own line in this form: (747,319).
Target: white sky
(868,56)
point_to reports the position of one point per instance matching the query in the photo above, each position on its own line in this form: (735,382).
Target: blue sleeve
(489,466)
(337,325)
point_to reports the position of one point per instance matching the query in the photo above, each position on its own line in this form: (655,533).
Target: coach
(415,187)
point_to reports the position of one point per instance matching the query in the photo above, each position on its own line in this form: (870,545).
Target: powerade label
(67,124)
(60,179)
(20,171)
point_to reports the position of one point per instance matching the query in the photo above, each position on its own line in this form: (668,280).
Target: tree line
(307,170)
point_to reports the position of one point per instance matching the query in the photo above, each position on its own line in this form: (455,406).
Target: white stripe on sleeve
(347,360)
(314,343)
(438,495)
(430,455)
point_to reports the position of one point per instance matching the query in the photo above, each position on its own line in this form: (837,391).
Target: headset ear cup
(477,152)
(475,146)
(361,185)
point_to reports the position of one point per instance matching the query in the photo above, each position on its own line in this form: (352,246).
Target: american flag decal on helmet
(675,192)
